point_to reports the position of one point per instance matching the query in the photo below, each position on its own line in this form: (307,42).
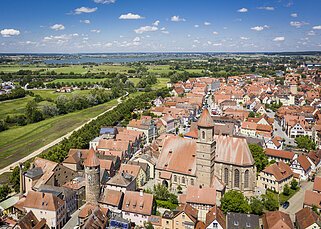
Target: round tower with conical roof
(92,177)
(205,150)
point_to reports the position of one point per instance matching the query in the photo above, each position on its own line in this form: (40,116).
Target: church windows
(236,178)
(226,176)
(246,179)
(203,134)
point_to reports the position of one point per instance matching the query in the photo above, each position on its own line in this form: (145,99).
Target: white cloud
(165,32)
(136,39)
(270,8)
(242,10)
(61,39)
(311,33)
(109,44)
(215,33)
(196,41)
(156,23)
(105,1)
(85,10)
(85,21)
(144,29)
(196,26)
(9,32)
(207,23)
(130,16)
(244,38)
(177,19)
(217,44)
(298,24)
(294,15)
(279,39)
(317,27)
(260,28)
(57,27)
(95,30)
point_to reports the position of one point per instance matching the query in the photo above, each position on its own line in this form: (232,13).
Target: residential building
(306,218)
(276,220)
(240,220)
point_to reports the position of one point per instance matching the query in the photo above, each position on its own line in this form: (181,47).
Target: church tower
(205,150)
(92,177)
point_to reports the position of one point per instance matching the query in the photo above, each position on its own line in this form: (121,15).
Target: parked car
(286,204)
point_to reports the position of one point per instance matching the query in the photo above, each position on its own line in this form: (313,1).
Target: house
(137,207)
(302,166)
(146,125)
(317,184)
(314,158)
(280,155)
(47,206)
(200,198)
(306,218)
(312,199)
(30,221)
(275,177)
(275,143)
(122,182)
(215,219)
(240,220)
(112,200)
(185,217)
(97,219)
(136,171)
(78,186)
(150,161)
(276,220)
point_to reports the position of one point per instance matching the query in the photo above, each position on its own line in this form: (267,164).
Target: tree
(261,160)
(294,184)
(271,202)
(286,190)
(256,206)
(252,114)
(304,142)
(148,225)
(4,191)
(234,201)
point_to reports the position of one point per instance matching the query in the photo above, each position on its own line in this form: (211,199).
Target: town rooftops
(30,221)
(138,202)
(279,170)
(312,198)
(276,220)
(306,217)
(111,197)
(34,172)
(197,195)
(317,184)
(304,162)
(279,153)
(240,220)
(215,214)
(191,212)
(43,201)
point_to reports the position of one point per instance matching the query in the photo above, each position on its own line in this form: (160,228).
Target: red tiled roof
(306,217)
(317,184)
(304,162)
(205,120)
(279,153)
(92,159)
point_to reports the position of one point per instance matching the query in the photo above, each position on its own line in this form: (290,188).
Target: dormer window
(236,223)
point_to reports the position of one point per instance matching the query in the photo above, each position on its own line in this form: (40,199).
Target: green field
(87,80)
(17,106)
(162,82)
(18,142)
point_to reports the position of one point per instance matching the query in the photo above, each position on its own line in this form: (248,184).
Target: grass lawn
(53,94)
(21,141)
(11,107)
(134,80)
(162,82)
(283,198)
(15,68)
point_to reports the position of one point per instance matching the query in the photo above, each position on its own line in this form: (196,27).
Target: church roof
(205,120)
(92,159)
(233,151)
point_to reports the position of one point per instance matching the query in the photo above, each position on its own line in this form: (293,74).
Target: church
(221,162)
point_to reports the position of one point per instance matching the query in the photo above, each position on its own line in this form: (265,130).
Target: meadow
(26,139)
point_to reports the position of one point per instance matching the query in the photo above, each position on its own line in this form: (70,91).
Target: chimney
(141,193)
(21,179)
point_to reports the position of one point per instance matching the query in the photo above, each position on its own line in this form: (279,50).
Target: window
(236,178)
(246,179)
(175,178)
(183,180)
(226,176)
(215,225)
(192,181)
(203,134)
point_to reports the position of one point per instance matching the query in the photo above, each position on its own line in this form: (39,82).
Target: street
(278,130)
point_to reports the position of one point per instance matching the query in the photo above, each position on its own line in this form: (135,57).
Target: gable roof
(307,217)
(215,214)
(279,170)
(276,220)
(204,195)
(279,153)
(43,201)
(138,202)
(191,212)
(304,162)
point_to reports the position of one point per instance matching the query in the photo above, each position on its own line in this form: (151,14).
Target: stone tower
(205,150)
(92,177)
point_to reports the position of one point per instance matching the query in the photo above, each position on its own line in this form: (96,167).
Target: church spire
(205,120)
(92,159)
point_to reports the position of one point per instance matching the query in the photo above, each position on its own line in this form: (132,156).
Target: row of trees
(14,94)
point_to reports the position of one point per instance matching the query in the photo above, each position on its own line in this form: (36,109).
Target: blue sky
(75,26)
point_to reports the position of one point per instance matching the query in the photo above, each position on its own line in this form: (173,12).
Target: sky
(84,26)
